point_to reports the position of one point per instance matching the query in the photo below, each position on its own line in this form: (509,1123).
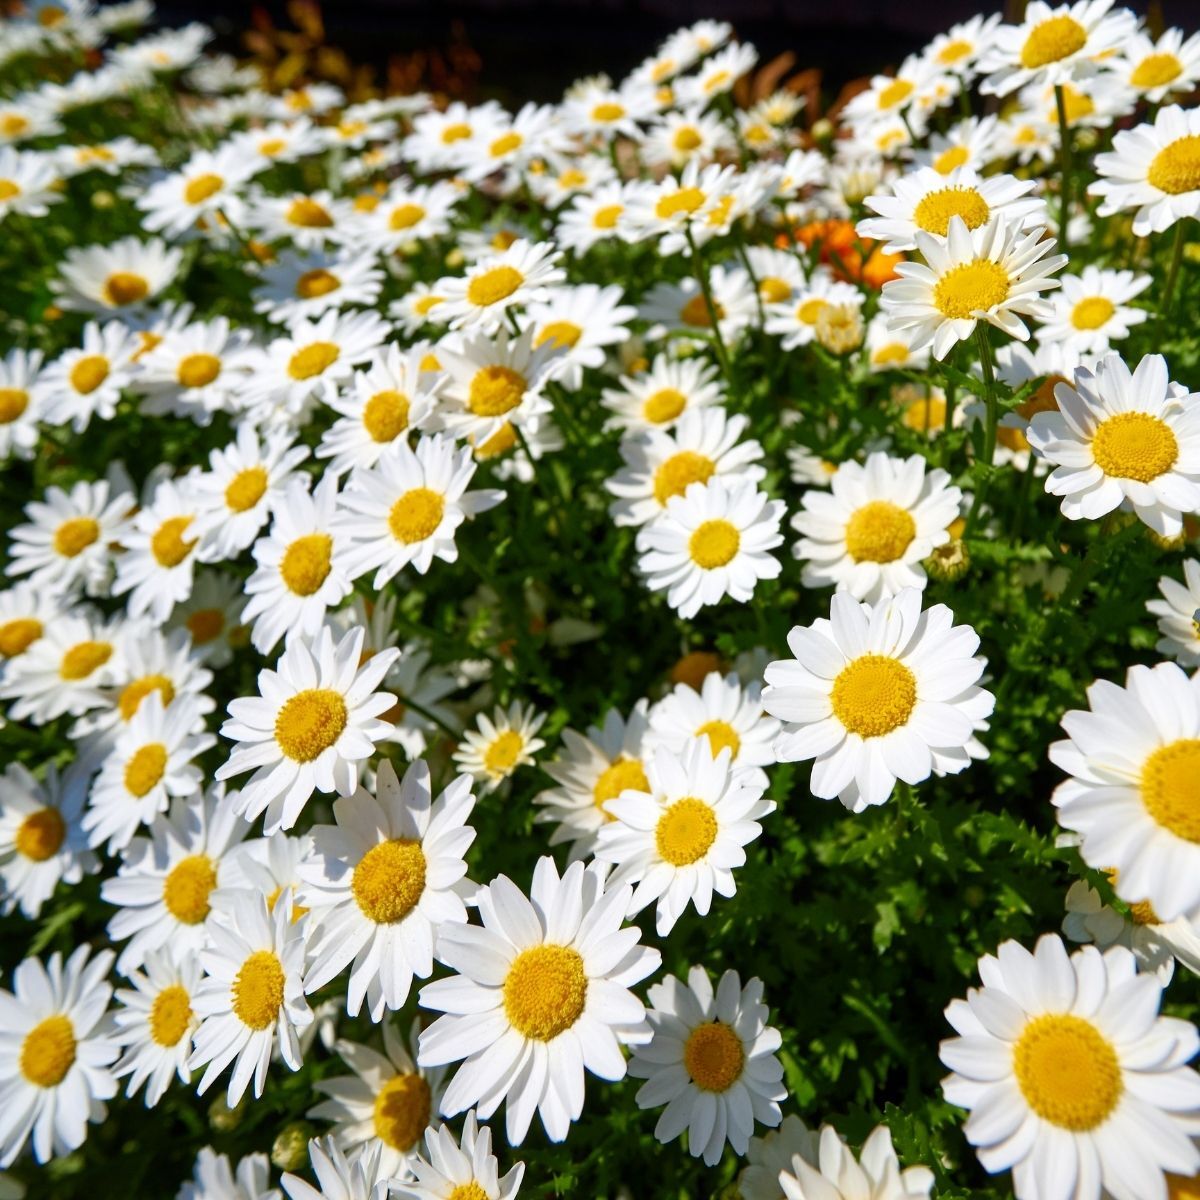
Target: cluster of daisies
(332,354)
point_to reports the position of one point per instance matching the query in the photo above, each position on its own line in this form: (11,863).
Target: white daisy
(125,275)
(681,307)
(771,1155)
(596,217)
(196,371)
(214,1178)
(304,286)
(468,1167)
(795,317)
(211,616)
(360,1177)
(22,402)
(87,382)
(1177,611)
(1092,310)
(503,742)
(27,182)
(836,1173)
(1154,69)
(411,213)
(311,221)
(581,322)
(523,273)
(657,398)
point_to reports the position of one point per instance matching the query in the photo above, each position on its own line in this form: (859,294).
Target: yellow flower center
(625,773)
(1051,41)
(934,211)
(1135,445)
(695,312)
(895,93)
(13,402)
(873,695)
(167,544)
(1067,1071)
(562,335)
(205,624)
(317,282)
(1092,312)
(424,305)
(308,214)
(474,1191)
(389,880)
(1179,1188)
(1155,70)
(664,405)
(246,489)
(13,124)
(608,216)
(685,832)
(306,563)
(312,359)
(807,311)
(170,1015)
(51,15)
(402,1111)
(572,178)
(970,288)
(89,373)
(501,756)
(83,658)
(41,834)
(893,352)
(134,692)
(953,52)
(687,139)
(17,636)
(310,722)
(48,1052)
(145,768)
(405,216)
(714,1056)
(258,990)
(124,287)
(494,285)
(187,887)
(455,133)
(1171,787)
(880,532)
(202,187)
(198,370)
(495,390)
(721,736)
(714,544)
(75,535)
(545,991)
(501,442)
(506,144)
(951,158)
(1142,913)
(1076,104)
(270,147)
(385,415)
(416,515)
(147,340)
(1175,169)
(685,200)
(677,472)
(774,290)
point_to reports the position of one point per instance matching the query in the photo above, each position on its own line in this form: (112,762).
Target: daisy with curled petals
(303,286)
(541,994)
(503,742)
(1154,169)
(833,1172)
(449,1168)
(154,1024)
(163,889)
(195,371)
(1123,440)
(244,483)
(659,465)
(878,693)
(56,1054)
(1177,615)
(251,994)
(523,273)
(967,143)
(1092,310)
(41,839)
(593,769)
(406,509)
(1072,1079)
(215,1178)
(925,200)
(660,396)
(124,275)
(150,763)
(360,1177)
(67,543)
(381,882)
(1054,45)
(711,1060)
(315,723)
(388,1101)
(680,838)
(869,534)
(87,382)
(994,273)
(22,402)
(712,542)
(299,573)
(1134,758)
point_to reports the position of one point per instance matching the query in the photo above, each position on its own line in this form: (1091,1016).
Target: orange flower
(840,248)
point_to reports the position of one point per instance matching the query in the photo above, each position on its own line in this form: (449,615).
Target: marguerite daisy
(467,1167)
(503,742)
(1177,615)
(1092,310)
(523,273)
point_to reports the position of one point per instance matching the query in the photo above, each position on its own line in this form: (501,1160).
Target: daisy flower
(406,509)
(1153,169)
(835,1173)
(163,889)
(1072,1079)
(196,371)
(125,274)
(87,382)
(387,1102)
(467,1167)
(311,221)
(1154,69)
(358,1178)
(150,763)
(27,182)
(770,1155)
(41,839)
(890,349)
(396,395)
(210,615)
(503,742)
(22,402)
(67,543)
(381,881)
(154,1024)
(658,465)
(711,1060)
(678,137)
(1133,759)
(245,482)
(1123,440)
(681,307)
(1177,615)
(970,142)
(795,317)
(593,769)
(214,1178)
(657,398)
(541,994)
(299,573)
(595,217)
(870,532)
(594,109)
(315,723)
(522,274)
(994,274)
(303,286)
(56,1054)
(961,45)
(411,213)
(251,996)
(878,693)
(680,838)
(926,200)
(714,541)
(581,322)
(888,96)
(1092,310)
(718,74)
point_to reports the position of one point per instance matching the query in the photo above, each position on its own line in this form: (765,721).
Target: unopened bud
(289,1152)
(840,328)
(949,561)
(103,199)
(822,130)
(224,1119)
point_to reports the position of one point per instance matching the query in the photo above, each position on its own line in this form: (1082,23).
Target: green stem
(991,421)
(745,257)
(1064,150)
(702,279)
(1173,272)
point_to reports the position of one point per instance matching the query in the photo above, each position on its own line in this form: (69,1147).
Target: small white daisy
(834,1172)
(657,398)
(1092,310)
(360,1177)
(304,286)
(125,275)
(22,402)
(1177,611)
(503,742)
(215,1178)
(523,273)
(195,371)
(87,382)
(467,1167)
